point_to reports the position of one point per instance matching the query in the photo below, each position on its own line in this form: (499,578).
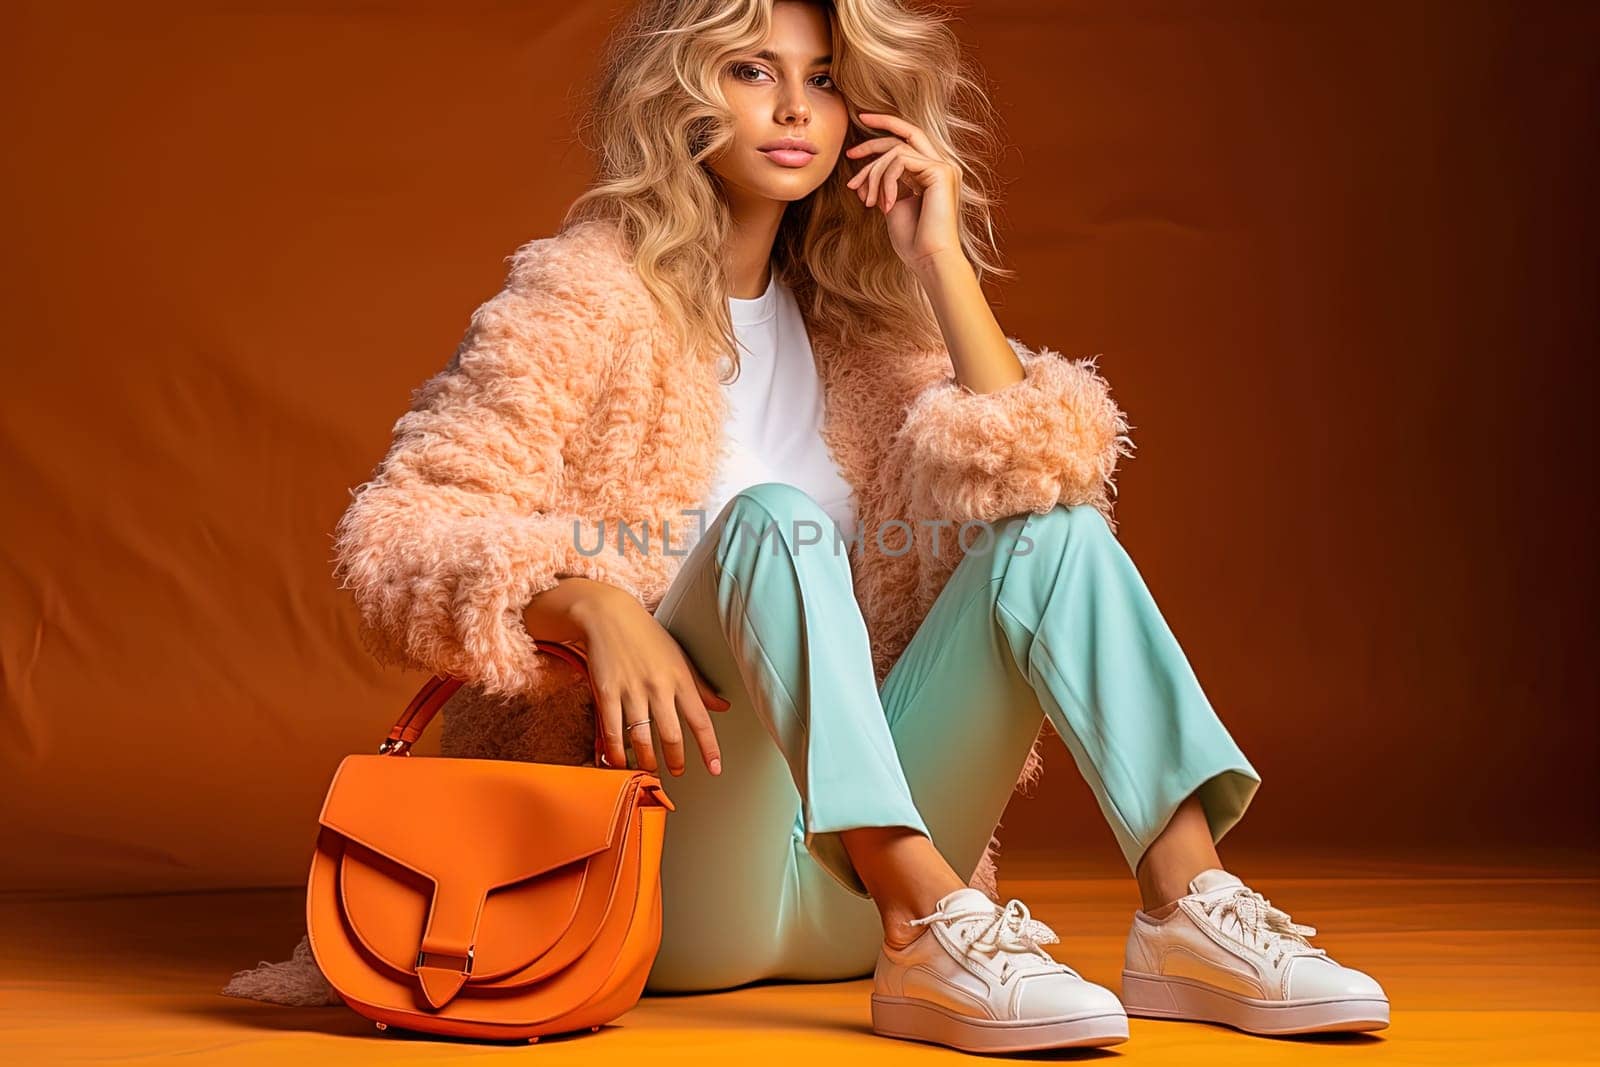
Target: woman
(768,309)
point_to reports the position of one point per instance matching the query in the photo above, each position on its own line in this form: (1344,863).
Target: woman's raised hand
(923,217)
(645,687)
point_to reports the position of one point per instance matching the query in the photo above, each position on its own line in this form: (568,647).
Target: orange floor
(1482,964)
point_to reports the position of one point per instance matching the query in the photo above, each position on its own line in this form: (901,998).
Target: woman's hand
(925,232)
(916,188)
(641,677)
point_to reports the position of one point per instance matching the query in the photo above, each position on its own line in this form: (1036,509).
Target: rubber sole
(1157,997)
(915,1020)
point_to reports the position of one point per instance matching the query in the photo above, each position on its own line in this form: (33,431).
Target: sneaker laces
(1265,925)
(1011,928)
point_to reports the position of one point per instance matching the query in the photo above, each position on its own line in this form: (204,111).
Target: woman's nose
(795,108)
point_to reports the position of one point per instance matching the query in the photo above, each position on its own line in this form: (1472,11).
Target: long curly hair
(657,114)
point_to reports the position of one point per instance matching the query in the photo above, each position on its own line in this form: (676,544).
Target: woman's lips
(789,157)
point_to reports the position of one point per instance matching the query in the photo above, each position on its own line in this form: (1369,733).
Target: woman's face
(780,91)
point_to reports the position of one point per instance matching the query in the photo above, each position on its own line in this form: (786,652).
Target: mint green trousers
(1048,617)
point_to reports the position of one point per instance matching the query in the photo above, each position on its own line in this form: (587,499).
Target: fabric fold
(1052,438)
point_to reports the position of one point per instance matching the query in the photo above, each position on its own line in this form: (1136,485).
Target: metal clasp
(422,957)
(394,746)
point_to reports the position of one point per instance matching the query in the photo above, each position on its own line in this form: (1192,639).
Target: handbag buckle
(394,745)
(466,968)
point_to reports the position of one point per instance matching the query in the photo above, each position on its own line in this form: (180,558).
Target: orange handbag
(486,898)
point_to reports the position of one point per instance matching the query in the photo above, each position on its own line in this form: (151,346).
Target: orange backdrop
(1339,259)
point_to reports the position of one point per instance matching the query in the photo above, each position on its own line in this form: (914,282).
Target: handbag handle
(441,687)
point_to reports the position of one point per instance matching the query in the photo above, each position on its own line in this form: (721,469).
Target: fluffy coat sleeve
(1053,437)
(459,528)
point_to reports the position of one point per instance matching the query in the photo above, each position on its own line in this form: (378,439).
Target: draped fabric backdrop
(1339,260)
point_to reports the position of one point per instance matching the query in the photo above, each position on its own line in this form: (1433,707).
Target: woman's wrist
(589,600)
(566,611)
(947,266)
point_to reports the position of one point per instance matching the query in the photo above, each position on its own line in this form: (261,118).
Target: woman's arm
(460,525)
(982,359)
(1014,430)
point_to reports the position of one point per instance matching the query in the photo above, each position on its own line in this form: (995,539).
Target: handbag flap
(478,822)
(470,826)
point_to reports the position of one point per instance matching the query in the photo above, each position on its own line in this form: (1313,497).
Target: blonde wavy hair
(657,114)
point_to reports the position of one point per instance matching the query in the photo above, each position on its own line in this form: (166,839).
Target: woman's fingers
(875,179)
(878,167)
(636,727)
(609,723)
(693,700)
(693,710)
(874,144)
(891,183)
(649,696)
(664,712)
(909,131)
(708,693)
(882,177)
(859,177)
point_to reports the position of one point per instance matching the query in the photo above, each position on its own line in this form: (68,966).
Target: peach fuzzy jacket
(569,401)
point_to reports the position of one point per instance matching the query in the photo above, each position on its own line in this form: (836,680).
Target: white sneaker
(1226,955)
(977,980)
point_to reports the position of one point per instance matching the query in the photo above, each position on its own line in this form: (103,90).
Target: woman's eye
(750,73)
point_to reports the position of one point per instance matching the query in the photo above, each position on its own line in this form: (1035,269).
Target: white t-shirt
(773,432)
